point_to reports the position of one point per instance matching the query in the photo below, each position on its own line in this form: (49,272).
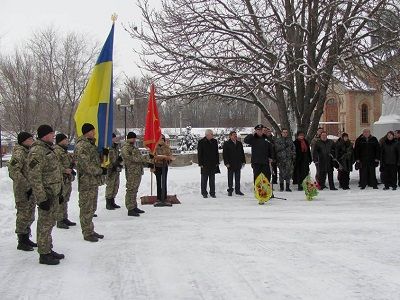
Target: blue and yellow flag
(96,104)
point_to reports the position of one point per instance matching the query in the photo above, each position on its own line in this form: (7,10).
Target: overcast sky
(19,18)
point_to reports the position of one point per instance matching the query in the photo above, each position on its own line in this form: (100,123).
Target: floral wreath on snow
(310,188)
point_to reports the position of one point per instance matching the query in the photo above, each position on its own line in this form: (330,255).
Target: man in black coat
(397,138)
(208,158)
(261,152)
(234,160)
(344,154)
(367,155)
(270,138)
(390,160)
(323,152)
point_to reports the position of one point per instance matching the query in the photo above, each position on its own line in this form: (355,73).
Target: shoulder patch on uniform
(33,163)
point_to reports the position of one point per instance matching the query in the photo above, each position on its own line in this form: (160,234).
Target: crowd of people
(281,159)
(43,172)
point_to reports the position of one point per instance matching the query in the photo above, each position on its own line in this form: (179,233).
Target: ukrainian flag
(96,104)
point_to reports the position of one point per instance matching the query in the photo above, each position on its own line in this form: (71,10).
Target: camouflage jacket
(133,159)
(113,157)
(18,169)
(162,149)
(45,173)
(66,162)
(88,163)
(284,148)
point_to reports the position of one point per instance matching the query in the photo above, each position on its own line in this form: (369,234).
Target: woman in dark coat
(302,161)
(389,161)
(345,156)
(208,159)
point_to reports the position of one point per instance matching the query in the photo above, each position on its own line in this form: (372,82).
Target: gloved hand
(119,159)
(29,193)
(104,171)
(105,151)
(60,199)
(357,166)
(150,165)
(151,156)
(119,168)
(45,205)
(376,163)
(73,172)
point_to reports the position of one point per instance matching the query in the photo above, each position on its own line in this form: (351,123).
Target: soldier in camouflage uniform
(89,179)
(285,155)
(45,177)
(134,162)
(113,170)
(67,162)
(24,201)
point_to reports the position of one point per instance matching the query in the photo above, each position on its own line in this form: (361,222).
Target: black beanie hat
(87,127)
(23,136)
(44,130)
(131,135)
(60,137)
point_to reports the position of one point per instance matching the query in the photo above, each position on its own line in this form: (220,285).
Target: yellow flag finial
(114,17)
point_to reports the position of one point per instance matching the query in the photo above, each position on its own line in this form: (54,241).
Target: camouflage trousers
(45,224)
(112,184)
(132,187)
(26,208)
(63,207)
(285,170)
(87,205)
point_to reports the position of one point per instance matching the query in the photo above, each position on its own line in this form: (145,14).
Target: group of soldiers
(43,173)
(271,153)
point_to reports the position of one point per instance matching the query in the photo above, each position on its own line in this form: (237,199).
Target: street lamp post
(119,104)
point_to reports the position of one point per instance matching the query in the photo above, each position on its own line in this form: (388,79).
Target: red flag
(152,131)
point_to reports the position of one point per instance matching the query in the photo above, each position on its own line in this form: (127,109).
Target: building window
(364,114)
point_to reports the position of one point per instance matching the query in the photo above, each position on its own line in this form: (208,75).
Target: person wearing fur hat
(67,163)
(45,178)
(24,201)
(90,174)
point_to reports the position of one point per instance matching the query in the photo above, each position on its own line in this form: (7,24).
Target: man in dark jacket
(208,158)
(397,138)
(261,152)
(322,156)
(367,154)
(234,160)
(390,161)
(274,166)
(345,156)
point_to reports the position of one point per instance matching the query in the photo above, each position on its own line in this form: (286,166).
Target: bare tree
(273,53)
(20,89)
(64,61)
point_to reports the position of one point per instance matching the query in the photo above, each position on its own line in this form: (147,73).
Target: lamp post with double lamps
(119,104)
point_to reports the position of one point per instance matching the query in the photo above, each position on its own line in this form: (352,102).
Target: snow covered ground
(344,245)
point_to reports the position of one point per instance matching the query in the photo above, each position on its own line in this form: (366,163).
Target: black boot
(98,235)
(28,241)
(109,205)
(288,187)
(133,213)
(281,186)
(138,210)
(48,259)
(114,204)
(91,238)
(62,225)
(57,255)
(22,243)
(69,223)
